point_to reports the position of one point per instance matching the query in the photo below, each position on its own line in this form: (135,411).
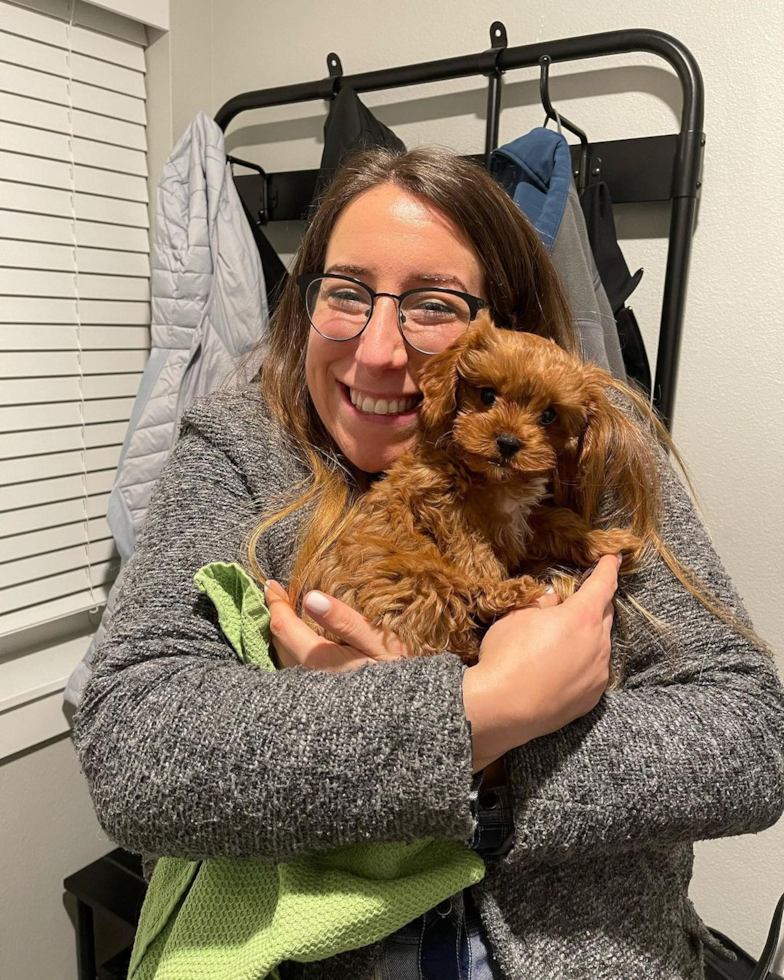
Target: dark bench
(112,885)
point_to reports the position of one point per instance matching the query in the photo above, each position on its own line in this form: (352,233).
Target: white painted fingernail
(317,603)
(551,589)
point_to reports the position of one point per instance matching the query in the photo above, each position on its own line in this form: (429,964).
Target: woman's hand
(296,643)
(545,667)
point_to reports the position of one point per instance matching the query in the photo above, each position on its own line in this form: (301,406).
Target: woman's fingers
(296,643)
(288,630)
(599,588)
(352,627)
(276,589)
(550,598)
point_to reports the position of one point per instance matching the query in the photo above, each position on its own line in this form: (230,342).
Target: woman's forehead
(386,231)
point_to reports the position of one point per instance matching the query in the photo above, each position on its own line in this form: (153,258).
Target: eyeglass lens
(431,320)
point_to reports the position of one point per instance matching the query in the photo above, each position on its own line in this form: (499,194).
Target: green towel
(237,919)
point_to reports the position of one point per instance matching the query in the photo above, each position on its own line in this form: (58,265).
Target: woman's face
(393,242)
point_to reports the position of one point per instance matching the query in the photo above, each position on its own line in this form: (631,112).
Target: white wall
(49,831)
(729,412)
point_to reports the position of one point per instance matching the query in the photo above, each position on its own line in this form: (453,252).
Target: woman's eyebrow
(360,272)
(348,270)
(443,281)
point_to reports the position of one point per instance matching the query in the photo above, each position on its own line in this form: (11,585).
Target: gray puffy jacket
(209,306)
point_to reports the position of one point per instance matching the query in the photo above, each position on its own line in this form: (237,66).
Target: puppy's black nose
(507,444)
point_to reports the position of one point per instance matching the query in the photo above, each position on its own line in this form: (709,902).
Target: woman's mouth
(384,410)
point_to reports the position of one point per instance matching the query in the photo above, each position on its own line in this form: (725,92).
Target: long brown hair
(524,291)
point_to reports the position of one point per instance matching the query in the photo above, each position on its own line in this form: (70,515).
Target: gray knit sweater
(189,753)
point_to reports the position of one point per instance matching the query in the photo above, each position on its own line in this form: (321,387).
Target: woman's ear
(439,379)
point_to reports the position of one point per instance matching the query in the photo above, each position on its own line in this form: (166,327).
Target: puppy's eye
(487,395)
(547,416)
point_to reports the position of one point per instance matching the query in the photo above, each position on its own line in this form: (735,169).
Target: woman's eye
(433,307)
(487,395)
(548,416)
(432,313)
(345,296)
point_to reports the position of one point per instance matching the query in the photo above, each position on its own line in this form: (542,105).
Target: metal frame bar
(687,170)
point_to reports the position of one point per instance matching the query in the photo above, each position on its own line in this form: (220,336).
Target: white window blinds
(74,297)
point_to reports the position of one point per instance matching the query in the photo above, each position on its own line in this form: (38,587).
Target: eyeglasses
(430,319)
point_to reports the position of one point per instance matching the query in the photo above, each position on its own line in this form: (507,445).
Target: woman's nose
(381,345)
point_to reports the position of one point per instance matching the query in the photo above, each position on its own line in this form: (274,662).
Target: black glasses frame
(474,303)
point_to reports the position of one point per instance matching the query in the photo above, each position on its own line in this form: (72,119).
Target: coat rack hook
(268,197)
(335,69)
(544,93)
(498,43)
(498,35)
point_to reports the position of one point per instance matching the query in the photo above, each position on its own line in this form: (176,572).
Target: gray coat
(536,171)
(188,752)
(209,306)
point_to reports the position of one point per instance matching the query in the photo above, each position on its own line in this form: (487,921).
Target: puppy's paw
(497,598)
(618,541)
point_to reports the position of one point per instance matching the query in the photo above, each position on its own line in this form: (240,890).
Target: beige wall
(730,406)
(48,831)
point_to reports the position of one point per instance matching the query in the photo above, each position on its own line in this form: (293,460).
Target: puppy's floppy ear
(615,457)
(439,378)
(438,381)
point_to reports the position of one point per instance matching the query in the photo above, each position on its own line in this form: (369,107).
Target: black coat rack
(650,168)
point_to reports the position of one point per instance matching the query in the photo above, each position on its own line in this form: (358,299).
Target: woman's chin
(379,457)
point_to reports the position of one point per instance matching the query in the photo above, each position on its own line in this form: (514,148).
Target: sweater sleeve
(691,747)
(189,753)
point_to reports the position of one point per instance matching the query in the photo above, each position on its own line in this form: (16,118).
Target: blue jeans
(449,941)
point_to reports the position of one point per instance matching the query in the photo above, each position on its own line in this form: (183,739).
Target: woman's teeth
(381,406)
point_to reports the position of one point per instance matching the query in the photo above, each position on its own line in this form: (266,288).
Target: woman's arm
(187,752)
(662,761)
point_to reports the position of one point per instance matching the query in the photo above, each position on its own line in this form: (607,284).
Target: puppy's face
(505,404)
